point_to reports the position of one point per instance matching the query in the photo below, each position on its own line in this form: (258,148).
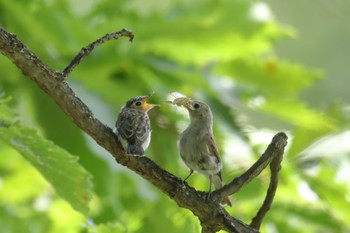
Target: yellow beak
(147,106)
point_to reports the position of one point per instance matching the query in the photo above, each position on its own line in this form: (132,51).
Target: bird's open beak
(147,106)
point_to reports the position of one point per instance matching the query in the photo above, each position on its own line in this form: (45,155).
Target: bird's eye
(138,103)
(196,106)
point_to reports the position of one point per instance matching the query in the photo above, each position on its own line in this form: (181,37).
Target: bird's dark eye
(138,103)
(196,106)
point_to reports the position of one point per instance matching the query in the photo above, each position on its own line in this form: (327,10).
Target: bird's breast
(195,153)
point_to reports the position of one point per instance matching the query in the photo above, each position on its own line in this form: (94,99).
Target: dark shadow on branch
(212,215)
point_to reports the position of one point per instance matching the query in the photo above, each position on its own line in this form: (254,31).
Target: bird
(133,128)
(197,145)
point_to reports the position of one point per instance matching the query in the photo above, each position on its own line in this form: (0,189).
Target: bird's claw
(208,196)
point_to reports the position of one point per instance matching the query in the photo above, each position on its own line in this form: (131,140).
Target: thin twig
(275,167)
(84,52)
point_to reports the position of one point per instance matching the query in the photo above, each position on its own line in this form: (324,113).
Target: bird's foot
(208,195)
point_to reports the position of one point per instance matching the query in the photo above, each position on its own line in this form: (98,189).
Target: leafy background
(263,67)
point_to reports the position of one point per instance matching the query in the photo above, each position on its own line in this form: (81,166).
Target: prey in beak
(181,101)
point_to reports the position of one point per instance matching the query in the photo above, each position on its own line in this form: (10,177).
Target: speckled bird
(133,127)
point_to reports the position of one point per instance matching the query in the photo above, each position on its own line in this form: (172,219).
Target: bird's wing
(133,127)
(211,144)
(218,183)
(142,128)
(125,124)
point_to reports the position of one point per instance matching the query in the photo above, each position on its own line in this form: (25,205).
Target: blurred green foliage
(221,52)
(70,179)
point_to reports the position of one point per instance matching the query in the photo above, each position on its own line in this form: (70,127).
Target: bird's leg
(184,180)
(210,183)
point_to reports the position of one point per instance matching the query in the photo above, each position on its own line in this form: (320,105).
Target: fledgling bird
(133,127)
(197,145)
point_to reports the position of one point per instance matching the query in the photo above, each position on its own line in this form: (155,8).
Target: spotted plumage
(133,125)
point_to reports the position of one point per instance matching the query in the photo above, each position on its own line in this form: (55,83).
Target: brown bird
(197,145)
(133,126)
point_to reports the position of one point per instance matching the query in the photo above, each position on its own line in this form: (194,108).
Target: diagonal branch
(84,52)
(212,216)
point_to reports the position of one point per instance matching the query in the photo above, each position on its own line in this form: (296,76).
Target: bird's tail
(218,183)
(135,150)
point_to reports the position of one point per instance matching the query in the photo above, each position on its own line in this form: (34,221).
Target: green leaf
(71,181)
(332,191)
(269,77)
(303,138)
(110,228)
(298,114)
(10,220)
(313,218)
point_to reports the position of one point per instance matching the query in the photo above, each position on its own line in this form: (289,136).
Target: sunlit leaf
(109,228)
(61,169)
(315,219)
(298,114)
(269,77)
(21,220)
(332,191)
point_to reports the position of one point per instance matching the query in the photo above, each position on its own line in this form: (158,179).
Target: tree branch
(84,52)
(212,216)
(275,167)
(274,150)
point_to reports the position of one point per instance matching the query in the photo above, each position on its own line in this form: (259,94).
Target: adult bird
(133,127)
(197,145)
